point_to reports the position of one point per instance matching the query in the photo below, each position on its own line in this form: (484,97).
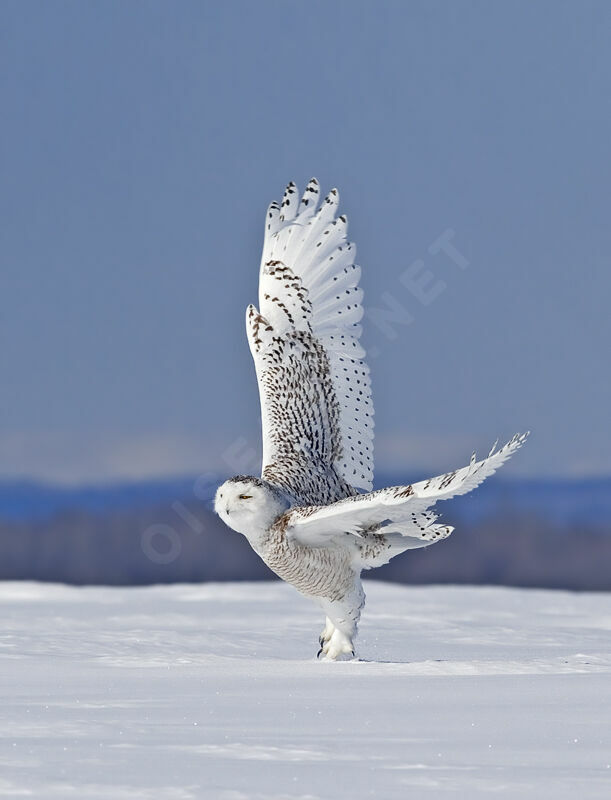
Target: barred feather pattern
(323,572)
(317,412)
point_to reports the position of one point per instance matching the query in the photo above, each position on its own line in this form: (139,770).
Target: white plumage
(304,516)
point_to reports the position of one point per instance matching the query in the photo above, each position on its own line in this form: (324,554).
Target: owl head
(248,505)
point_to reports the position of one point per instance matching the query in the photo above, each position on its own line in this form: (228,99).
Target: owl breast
(325,572)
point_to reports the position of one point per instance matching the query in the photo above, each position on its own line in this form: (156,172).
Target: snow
(212,691)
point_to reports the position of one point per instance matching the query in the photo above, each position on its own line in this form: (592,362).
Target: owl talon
(326,634)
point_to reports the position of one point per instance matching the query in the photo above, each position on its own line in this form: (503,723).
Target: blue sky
(141,143)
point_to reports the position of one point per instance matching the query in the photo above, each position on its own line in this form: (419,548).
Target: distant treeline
(185,541)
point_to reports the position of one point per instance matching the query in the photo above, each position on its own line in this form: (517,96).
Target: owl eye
(245,497)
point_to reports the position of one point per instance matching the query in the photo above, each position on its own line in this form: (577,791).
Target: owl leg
(339,644)
(342,620)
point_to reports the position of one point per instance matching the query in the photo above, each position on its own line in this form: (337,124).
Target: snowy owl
(305,515)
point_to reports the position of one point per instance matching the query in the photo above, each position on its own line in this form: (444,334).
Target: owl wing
(314,386)
(398,509)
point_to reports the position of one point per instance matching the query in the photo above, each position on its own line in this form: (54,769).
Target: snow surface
(212,691)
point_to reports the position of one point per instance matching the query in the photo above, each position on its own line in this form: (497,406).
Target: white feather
(400,509)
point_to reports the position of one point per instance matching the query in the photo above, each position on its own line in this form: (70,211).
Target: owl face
(248,505)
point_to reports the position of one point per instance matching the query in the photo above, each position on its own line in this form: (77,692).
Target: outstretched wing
(316,408)
(398,509)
